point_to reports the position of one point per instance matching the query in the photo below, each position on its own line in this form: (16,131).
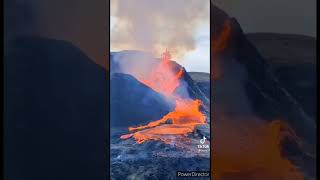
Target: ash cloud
(153,25)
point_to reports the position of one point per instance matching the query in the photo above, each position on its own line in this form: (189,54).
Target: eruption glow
(186,115)
(252,150)
(163,79)
(247,147)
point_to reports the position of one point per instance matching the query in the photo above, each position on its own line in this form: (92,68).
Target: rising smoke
(153,25)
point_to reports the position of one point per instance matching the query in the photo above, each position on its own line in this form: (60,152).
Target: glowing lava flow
(247,147)
(163,79)
(186,115)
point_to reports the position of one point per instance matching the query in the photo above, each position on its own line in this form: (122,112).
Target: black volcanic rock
(292,58)
(56,112)
(194,91)
(202,80)
(133,103)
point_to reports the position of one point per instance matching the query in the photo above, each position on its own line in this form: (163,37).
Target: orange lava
(252,149)
(160,133)
(186,113)
(182,120)
(219,43)
(163,79)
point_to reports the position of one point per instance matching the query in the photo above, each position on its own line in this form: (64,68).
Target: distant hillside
(284,48)
(200,76)
(202,80)
(293,61)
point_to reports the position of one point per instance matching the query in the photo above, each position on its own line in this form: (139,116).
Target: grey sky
(278,16)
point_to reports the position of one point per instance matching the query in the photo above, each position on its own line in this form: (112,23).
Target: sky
(276,16)
(194,44)
(85,23)
(196,60)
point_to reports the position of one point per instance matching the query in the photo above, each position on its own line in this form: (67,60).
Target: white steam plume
(153,25)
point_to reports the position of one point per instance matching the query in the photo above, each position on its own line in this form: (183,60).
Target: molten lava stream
(182,120)
(186,112)
(252,150)
(247,148)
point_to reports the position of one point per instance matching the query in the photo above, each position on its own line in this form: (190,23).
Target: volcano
(252,104)
(127,91)
(162,89)
(167,79)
